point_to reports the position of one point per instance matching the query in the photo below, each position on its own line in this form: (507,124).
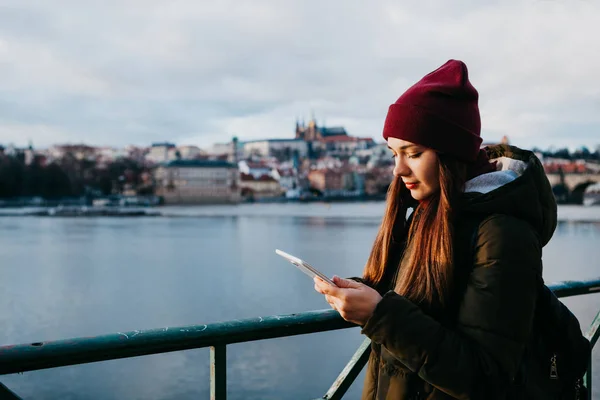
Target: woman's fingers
(325,288)
(334,296)
(331,301)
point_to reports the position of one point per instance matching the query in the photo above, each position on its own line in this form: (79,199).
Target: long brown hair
(426,275)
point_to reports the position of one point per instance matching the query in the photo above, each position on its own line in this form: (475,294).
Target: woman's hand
(354,301)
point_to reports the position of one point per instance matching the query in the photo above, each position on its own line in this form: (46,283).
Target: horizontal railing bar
(42,355)
(35,356)
(575,288)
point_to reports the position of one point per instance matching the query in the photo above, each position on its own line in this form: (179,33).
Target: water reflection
(573,228)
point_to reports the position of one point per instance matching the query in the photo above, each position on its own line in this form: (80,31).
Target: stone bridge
(575,182)
(575,186)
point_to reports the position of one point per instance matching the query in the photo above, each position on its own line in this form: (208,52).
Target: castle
(313,133)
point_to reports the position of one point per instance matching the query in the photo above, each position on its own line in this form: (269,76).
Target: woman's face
(417,166)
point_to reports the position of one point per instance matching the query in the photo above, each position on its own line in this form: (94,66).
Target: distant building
(78,151)
(11,150)
(346,145)
(137,154)
(110,154)
(261,179)
(504,140)
(219,149)
(327,162)
(29,155)
(198,182)
(288,178)
(333,140)
(256,169)
(261,187)
(159,152)
(190,152)
(225,151)
(325,180)
(556,166)
(283,149)
(313,133)
(335,182)
(378,179)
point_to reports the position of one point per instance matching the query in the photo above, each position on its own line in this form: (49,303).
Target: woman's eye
(416,155)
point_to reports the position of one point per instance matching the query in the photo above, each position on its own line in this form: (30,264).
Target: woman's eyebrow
(404,147)
(407,146)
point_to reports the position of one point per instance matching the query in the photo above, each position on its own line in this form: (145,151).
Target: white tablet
(304,266)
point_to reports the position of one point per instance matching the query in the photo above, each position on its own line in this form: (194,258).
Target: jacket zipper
(553,368)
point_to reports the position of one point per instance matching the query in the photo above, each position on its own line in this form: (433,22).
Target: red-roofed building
(566,166)
(256,169)
(264,186)
(336,181)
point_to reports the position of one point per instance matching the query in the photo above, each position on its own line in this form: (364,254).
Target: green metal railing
(42,355)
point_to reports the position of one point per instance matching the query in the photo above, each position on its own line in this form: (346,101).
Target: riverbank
(79,211)
(372,210)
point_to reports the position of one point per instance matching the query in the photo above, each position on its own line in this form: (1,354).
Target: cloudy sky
(118,72)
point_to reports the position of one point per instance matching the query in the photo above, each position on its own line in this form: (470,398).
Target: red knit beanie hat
(440,112)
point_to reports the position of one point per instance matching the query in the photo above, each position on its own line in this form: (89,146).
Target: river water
(71,277)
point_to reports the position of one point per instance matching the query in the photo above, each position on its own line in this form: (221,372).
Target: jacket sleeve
(480,355)
(380,289)
(359,280)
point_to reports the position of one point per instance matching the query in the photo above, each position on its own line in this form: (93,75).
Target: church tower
(299,130)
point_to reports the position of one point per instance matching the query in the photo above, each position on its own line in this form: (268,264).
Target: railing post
(588,378)
(592,335)
(218,372)
(350,372)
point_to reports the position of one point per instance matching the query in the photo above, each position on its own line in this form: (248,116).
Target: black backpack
(557,354)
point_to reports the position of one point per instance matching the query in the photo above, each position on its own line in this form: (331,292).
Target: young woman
(448,294)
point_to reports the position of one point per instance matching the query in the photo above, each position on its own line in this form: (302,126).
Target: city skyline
(135,73)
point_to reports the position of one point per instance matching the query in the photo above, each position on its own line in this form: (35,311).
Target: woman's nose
(400,168)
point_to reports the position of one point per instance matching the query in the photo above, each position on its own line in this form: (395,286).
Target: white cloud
(141,71)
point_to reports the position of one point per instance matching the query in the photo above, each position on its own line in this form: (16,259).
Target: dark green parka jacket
(475,351)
